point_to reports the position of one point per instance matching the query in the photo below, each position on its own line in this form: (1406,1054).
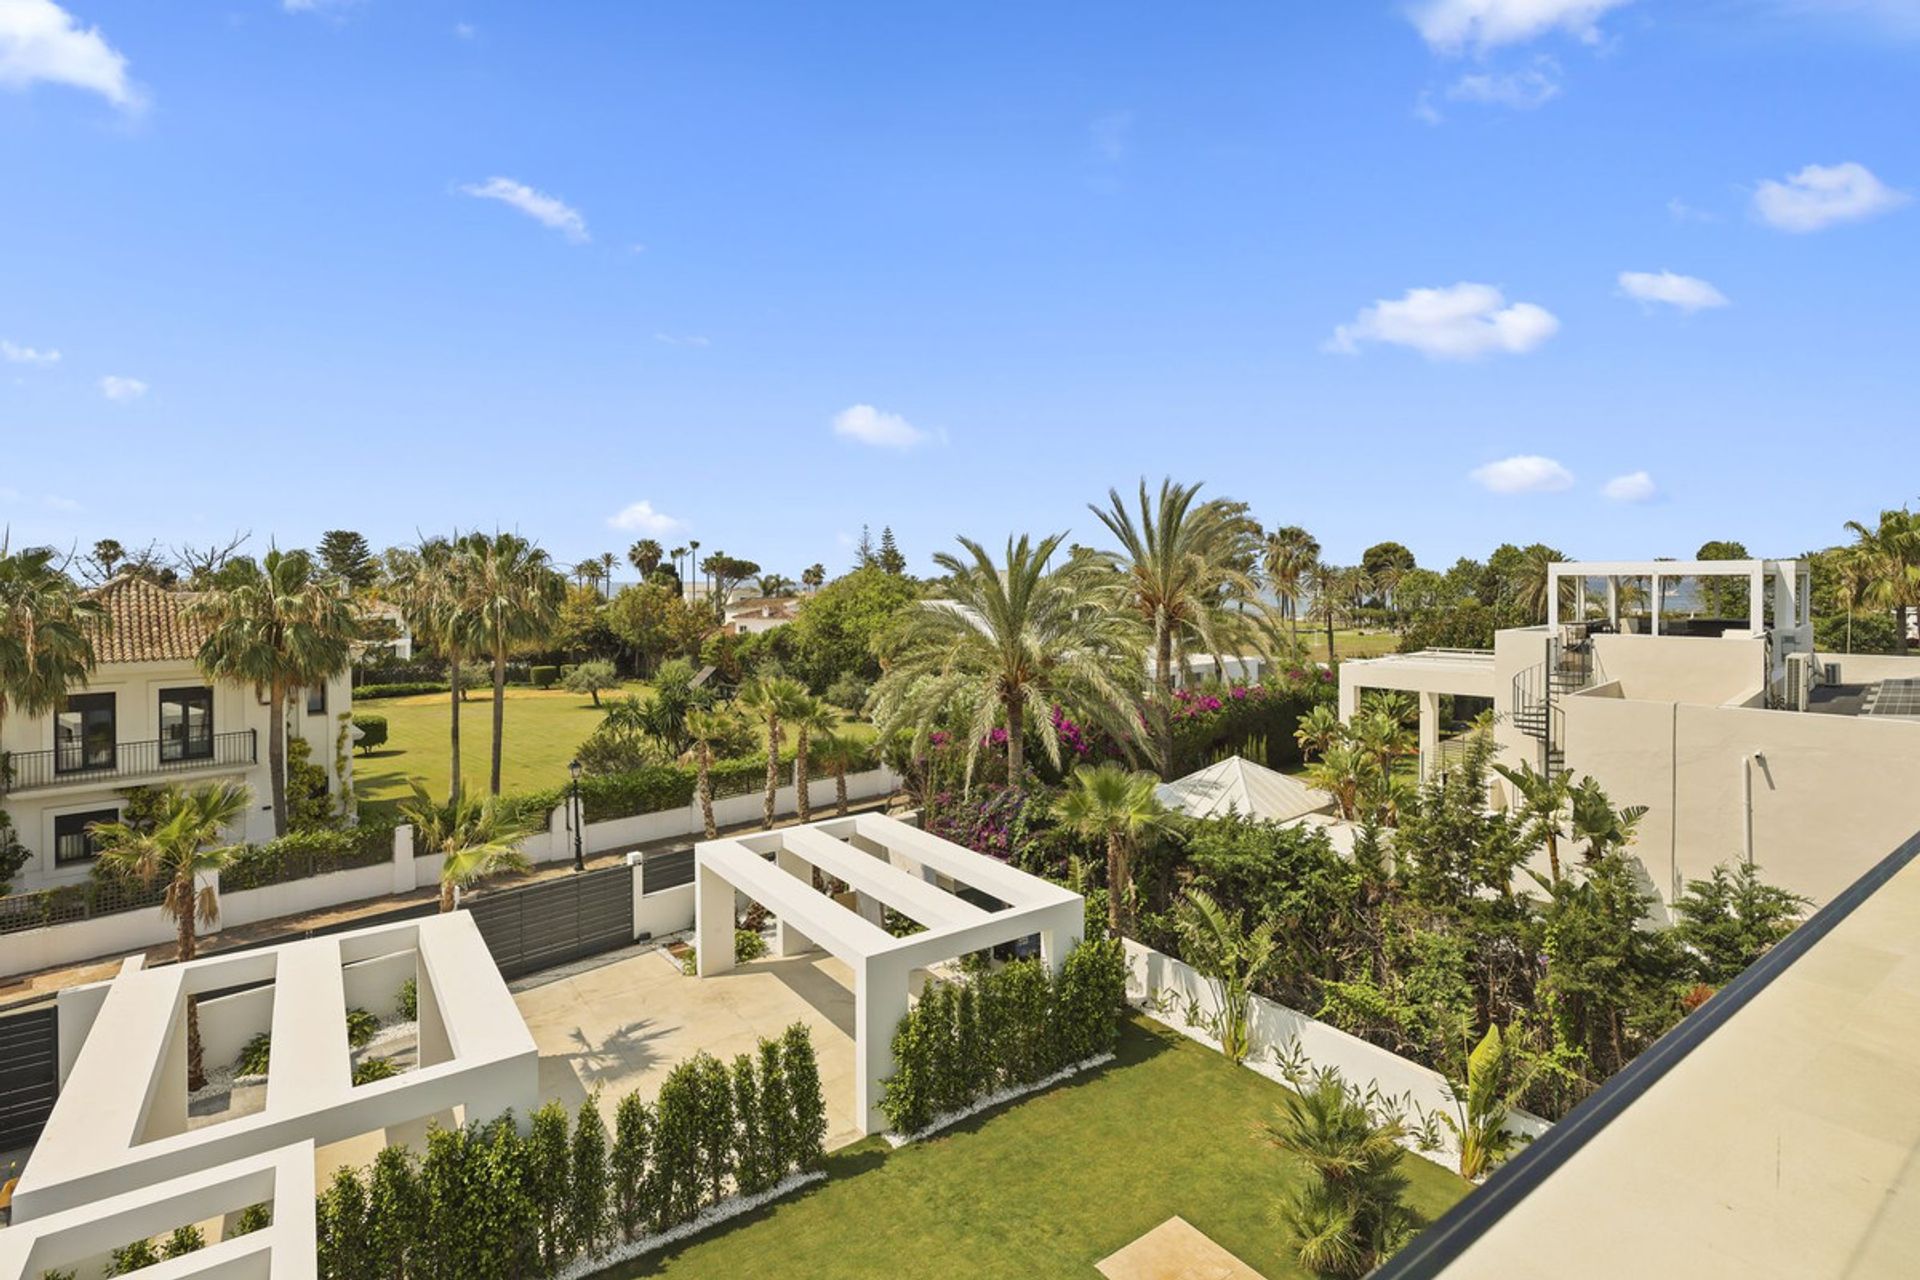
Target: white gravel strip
(997,1097)
(711,1216)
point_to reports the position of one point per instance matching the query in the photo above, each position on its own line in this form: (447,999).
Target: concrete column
(712,921)
(1060,933)
(1757,602)
(403,858)
(1613,602)
(1553,597)
(879,1002)
(436,1046)
(870,909)
(1654,588)
(1580,598)
(1429,733)
(167,1114)
(1349,698)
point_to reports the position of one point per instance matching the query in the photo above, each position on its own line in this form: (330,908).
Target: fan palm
(837,752)
(704,728)
(47,628)
(1289,554)
(773,701)
(1326,603)
(1007,646)
(1107,802)
(1890,552)
(279,625)
(1349,1216)
(1544,798)
(432,594)
(1536,582)
(812,719)
(184,848)
(1188,576)
(1216,943)
(471,836)
(514,598)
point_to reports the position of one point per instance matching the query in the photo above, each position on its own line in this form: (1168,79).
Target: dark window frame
(79,751)
(81,821)
(191,746)
(318,693)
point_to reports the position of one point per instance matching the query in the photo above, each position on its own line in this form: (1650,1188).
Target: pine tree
(889,557)
(863,553)
(348,557)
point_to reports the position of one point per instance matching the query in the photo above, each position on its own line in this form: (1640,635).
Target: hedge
(1001,1029)
(544,677)
(300,854)
(405,689)
(654,788)
(486,1203)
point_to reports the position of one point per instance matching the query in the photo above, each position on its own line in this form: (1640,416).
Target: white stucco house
(147,717)
(1743,743)
(756,614)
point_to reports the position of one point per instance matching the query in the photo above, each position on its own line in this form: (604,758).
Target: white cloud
(1424,111)
(1635,486)
(548,210)
(1112,135)
(1689,293)
(1681,211)
(115,387)
(1450,26)
(683,339)
(1522,473)
(1821,195)
(40,41)
(640,517)
(15,354)
(1521,90)
(464,30)
(868,425)
(1461,322)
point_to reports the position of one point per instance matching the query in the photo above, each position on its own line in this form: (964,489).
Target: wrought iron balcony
(128,762)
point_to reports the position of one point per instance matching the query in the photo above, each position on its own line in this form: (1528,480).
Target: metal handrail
(65,766)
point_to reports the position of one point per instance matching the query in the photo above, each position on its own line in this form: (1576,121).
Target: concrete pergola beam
(911,896)
(723,866)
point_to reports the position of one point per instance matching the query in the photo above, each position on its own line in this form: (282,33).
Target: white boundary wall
(1275,1028)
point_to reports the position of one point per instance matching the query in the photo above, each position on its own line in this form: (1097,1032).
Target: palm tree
(1009,644)
(1337,772)
(1854,569)
(1543,802)
(812,718)
(772,700)
(704,728)
(1216,943)
(1325,603)
(47,628)
(472,837)
(1107,802)
(585,571)
(1596,821)
(184,849)
(1536,584)
(279,625)
(1382,740)
(837,752)
(1890,552)
(693,566)
(812,576)
(1319,729)
(644,556)
(433,595)
(1290,554)
(1188,568)
(514,598)
(1348,1216)
(607,561)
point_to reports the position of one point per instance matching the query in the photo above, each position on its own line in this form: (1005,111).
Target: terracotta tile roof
(149,623)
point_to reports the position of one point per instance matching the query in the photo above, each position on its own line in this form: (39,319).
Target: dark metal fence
(29,1074)
(554,921)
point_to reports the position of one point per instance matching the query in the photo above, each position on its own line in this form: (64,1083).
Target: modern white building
(148,717)
(1742,742)
(963,902)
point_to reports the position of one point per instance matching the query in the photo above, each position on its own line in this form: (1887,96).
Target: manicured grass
(544,727)
(1046,1186)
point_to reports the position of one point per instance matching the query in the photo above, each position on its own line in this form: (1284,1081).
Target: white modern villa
(1740,739)
(147,717)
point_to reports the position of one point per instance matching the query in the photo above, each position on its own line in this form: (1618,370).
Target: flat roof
(1774,1133)
(1666,568)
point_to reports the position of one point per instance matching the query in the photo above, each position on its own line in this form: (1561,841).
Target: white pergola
(121,1120)
(1786,580)
(887,864)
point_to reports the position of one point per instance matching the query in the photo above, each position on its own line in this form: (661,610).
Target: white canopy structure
(964,901)
(1236,785)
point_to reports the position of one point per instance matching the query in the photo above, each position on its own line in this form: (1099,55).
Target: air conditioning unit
(1800,680)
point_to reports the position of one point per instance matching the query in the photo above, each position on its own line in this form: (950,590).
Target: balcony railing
(128,761)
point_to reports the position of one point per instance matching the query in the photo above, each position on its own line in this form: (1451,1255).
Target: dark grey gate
(29,1074)
(556,920)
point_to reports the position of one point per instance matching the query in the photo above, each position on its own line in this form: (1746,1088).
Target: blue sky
(758,274)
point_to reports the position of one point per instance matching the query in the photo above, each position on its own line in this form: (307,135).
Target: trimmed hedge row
(403,689)
(1002,1029)
(487,1203)
(300,854)
(655,788)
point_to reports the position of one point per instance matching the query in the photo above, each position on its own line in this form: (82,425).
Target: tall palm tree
(1107,802)
(644,556)
(704,728)
(514,598)
(837,752)
(693,566)
(772,700)
(812,719)
(1007,645)
(1326,602)
(1544,798)
(1188,575)
(47,628)
(432,593)
(1290,553)
(184,848)
(1216,943)
(812,576)
(279,625)
(1536,584)
(471,836)
(1890,555)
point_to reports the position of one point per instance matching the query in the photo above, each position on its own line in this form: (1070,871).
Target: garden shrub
(588,1213)
(409,1000)
(396,1210)
(399,689)
(748,944)
(132,1257)
(184,1240)
(373,730)
(627,1166)
(255,1056)
(544,677)
(361,1027)
(258,1217)
(367,1070)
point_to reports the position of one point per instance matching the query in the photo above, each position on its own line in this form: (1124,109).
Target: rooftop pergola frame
(1783,583)
(80,1240)
(887,864)
(121,1121)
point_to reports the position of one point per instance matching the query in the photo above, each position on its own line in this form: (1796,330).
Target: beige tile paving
(1174,1250)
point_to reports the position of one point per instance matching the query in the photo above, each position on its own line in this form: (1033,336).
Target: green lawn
(543,729)
(1046,1186)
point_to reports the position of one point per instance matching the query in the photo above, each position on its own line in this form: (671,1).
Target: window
(186,724)
(71,841)
(83,734)
(317,700)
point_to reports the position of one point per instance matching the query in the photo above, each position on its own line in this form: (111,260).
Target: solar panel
(1895,698)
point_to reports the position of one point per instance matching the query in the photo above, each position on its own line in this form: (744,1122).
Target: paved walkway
(1174,1250)
(22,989)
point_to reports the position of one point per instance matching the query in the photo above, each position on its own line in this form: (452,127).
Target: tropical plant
(1107,802)
(47,629)
(1349,1216)
(704,729)
(1290,553)
(1599,823)
(812,719)
(837,752)
(1498,1073)
(514,598)
(1216,943)
(1338,773)
(773,701)
(473,838)
(184,850)
(1327,604)
(1544,800)
(1007,645)
(280,625)
(1188,576)
(644,556)
(1889,555)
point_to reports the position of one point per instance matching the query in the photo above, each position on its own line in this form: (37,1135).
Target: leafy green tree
(589,1213)
(656,623)
(341,1227)
(1544,801)
(1386,564)
(1724,597)
(778,1129)
(1348,1217)
(591,678)
(185,850)
(396,1211)
(580,628)
(1216,943)
(515,596)
(753,1169)
(835,628)
(807,1138)
(1888,557)
(725,572)
(473,838)
(1108,803)
(185,1239)
(346,556)
(627,1165)
(280,625)
(47,630)
(1611,986)
(1731,919)
(549,1182)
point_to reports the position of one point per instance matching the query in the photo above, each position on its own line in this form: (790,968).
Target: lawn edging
(711,1216)
(994,1099)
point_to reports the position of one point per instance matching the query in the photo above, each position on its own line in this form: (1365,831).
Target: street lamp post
(579,818)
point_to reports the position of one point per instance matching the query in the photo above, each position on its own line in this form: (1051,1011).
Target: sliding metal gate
(556,920)
(29,1074)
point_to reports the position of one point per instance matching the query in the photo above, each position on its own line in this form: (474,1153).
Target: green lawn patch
(1045,1186)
